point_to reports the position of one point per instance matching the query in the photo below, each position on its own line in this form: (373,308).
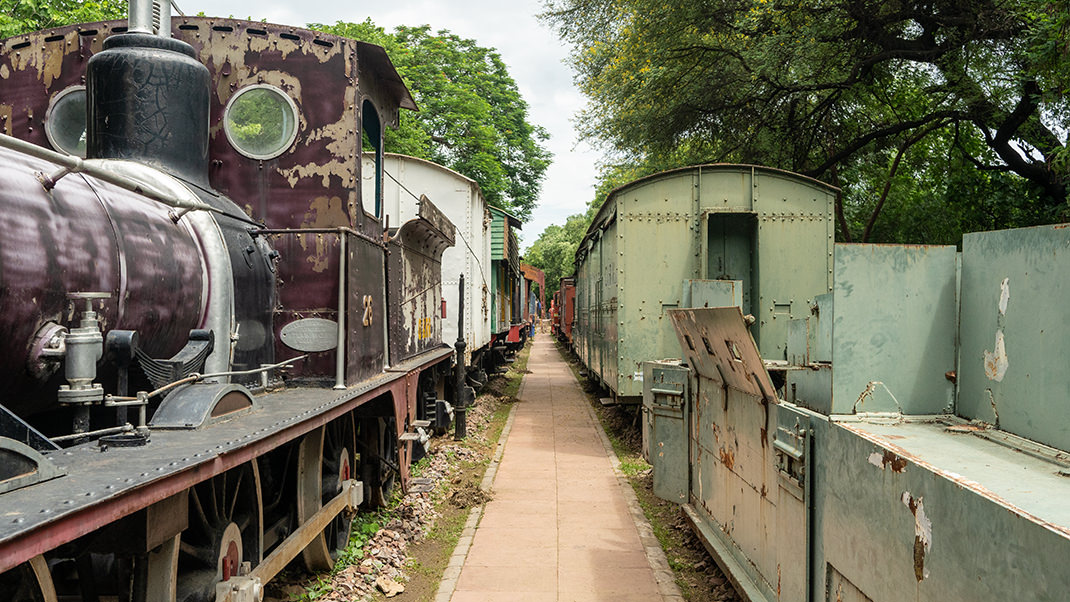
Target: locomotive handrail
(72,164)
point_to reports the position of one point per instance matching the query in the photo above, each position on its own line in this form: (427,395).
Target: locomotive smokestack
(150,16)
(148,97)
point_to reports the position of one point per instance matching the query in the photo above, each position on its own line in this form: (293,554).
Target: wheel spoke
(198,508)
(237,492)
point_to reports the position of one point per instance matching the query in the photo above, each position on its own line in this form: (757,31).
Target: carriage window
(372,140)
(261,121)
(65,121)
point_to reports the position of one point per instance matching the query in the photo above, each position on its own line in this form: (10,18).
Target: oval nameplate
(310,335)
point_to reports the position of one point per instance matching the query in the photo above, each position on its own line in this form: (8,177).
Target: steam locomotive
(215,349)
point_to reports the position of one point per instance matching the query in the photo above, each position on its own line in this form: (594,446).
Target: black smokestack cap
(148,101)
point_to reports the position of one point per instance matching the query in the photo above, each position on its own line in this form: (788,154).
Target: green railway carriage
(505,275)
(707,235)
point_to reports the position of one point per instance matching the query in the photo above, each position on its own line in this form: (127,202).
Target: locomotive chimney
(148,97)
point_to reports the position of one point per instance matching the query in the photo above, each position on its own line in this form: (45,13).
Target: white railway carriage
(461,200)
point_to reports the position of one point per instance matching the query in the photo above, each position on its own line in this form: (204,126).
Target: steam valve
(84,347)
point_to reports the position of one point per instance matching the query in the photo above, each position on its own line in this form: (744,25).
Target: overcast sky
(531,50)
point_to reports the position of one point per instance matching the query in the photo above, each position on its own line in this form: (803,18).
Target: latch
(668,398)
(790,447)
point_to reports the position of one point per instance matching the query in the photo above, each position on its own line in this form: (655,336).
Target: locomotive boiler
(215,348)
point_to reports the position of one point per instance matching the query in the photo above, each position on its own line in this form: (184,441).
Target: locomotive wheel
(325,460)
(31,581)
(379,450)
(225,524)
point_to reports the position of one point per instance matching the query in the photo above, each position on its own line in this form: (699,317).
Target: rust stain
(966,428)
(923,534)
(341,169)
(325,212)
(896,463)
(728,458)
(339,135)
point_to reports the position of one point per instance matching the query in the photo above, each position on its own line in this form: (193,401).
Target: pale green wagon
(707,235)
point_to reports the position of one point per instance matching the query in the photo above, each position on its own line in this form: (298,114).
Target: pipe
(141,16)
(71,164)
(126,428)
(340,355)
(460,410)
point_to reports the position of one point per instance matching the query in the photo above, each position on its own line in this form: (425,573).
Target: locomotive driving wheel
(225,524)
(29,582)
(379,458)
(325,461)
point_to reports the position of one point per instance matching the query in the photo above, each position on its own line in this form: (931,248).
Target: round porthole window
(65,121)
(261,121)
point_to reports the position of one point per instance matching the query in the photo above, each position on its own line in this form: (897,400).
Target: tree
(23,16)
(555,250)
(847,90)
(472,118)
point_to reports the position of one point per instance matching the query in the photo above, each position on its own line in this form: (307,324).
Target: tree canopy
(555,249)
(22,16)
(472,118)
(946,102)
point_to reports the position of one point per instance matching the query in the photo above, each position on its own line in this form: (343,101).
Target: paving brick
(559,526)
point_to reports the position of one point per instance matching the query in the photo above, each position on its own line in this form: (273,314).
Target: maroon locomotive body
(191,282)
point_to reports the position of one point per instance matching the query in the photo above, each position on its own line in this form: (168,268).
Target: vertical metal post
(460,411)
(340,353)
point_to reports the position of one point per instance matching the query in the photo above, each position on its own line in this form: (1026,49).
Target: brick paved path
(562,525)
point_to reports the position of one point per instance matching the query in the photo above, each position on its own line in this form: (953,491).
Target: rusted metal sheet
(365,308)
(306,279)
(910,511)
(414,282)
(460,199)
(568,307)
(315,183)
(719,346)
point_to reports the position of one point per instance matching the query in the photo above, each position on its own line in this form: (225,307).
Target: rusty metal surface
(107,486)
(313,184)
(365,308)
(910,511)
(414,282)
(307,283)
(83,236)
(460,199)
(568,309)
(718,345)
